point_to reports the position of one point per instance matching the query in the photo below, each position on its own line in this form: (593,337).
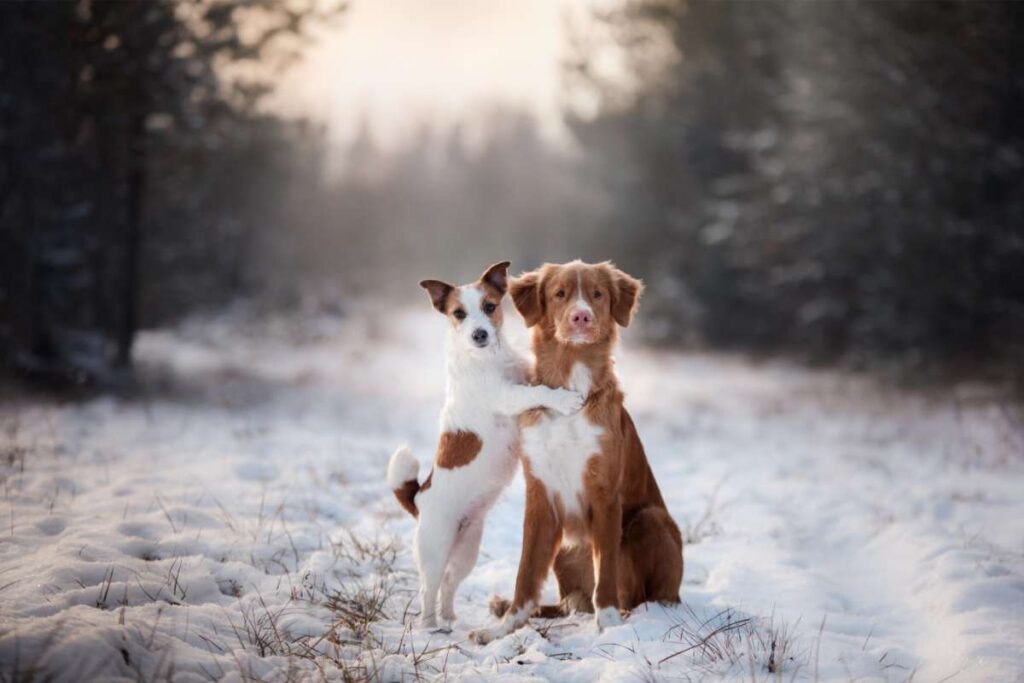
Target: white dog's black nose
(480,337)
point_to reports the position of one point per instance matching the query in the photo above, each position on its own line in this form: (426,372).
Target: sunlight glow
(401,64)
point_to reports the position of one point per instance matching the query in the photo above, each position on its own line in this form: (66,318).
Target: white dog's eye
(489,308)
(459,314)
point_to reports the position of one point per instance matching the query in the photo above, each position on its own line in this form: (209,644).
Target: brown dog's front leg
(541,536)
(607,533)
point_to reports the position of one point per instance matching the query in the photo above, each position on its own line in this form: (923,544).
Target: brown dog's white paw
(513,619)
(607,617)
(482,636)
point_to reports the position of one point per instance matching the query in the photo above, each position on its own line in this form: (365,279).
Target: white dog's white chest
(558,448)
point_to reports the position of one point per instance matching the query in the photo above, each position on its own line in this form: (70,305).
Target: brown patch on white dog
(457,449)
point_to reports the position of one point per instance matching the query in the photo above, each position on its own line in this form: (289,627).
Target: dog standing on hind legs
(477,453)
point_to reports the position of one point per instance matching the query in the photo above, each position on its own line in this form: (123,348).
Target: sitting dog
(593,508)
(478,451)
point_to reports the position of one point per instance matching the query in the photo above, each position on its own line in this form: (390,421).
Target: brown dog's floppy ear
(496,277)
(626,292)
(438,292)
(527,297)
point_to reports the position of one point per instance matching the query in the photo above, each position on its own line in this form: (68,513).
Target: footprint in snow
(51,526)
(137,530)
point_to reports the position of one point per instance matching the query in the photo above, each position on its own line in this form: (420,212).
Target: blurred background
(835,182)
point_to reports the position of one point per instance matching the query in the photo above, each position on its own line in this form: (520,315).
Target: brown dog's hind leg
(499,605)
(651,558)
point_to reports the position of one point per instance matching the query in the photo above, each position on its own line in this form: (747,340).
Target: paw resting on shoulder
(565,401)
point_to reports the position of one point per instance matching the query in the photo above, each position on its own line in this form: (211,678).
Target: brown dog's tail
(403,470)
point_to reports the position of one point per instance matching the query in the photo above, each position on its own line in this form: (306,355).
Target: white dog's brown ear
(626,292)
(527,297)
(496,277)
(439,293)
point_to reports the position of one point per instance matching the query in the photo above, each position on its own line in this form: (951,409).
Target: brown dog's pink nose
(581,318)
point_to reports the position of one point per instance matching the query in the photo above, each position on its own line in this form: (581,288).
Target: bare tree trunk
(133,241)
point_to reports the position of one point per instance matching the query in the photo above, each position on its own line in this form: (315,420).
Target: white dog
(478,450)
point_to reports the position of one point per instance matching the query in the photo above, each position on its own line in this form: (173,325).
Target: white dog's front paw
(566,402)
(429,621)
(607,617)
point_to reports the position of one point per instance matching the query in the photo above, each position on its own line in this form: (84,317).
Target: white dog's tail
(403,470)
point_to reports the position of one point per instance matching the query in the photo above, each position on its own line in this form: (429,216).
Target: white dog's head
(474,310)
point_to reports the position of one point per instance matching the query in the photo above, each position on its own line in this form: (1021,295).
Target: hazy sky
(396,63)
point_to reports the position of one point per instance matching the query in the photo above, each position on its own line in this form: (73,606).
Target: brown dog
(593,508)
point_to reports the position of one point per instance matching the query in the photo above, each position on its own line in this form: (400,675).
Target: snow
(232,520)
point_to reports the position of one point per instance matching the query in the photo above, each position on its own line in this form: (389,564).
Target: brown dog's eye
(560,294)
(597,293)
(459,314)
(489,308)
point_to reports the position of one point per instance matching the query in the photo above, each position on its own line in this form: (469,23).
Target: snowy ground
(232,522)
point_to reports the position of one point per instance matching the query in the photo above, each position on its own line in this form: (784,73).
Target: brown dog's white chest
(558,448)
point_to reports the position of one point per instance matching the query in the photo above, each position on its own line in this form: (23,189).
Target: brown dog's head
(578,303)
(474,310)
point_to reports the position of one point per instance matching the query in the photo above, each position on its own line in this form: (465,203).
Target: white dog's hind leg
(460,564)
(434,538)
